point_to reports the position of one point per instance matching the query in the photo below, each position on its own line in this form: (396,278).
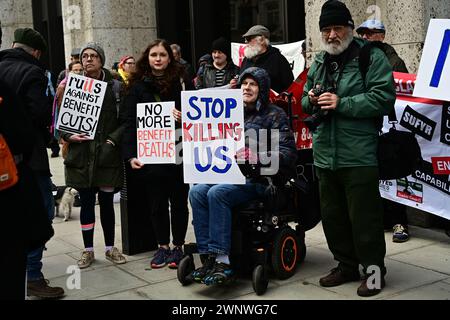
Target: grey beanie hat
(97,48)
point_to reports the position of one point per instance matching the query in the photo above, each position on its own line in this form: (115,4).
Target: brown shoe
(338,277)
(41,289)
(364,291)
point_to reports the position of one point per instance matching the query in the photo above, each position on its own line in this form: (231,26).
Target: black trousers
(352,217)
(23,215)
(87,215)
(160,191)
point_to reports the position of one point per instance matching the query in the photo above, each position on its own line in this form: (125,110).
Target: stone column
(406,23)
(121,27)
(14,14)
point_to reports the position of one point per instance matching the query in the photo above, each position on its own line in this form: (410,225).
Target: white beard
(336,49)
(252,51)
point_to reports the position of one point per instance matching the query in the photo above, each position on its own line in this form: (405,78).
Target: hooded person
(94,166)
(221,70)
(347,109)
(212,204)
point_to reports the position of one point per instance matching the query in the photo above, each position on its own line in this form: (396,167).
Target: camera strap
(335,64)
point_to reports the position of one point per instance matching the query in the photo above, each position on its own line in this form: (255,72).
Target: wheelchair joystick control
(275,220)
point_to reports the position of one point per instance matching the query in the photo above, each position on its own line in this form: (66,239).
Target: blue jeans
(34,263)
(212,208)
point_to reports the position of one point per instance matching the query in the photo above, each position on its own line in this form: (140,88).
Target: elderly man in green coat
(95,166)
(347,107)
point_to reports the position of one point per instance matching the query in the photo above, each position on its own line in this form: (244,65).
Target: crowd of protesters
(352,210)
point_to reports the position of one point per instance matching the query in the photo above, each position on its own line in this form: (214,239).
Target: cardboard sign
(291,51)
(433,78)
(213,130)
(155,132)
(428,188)
(81,105)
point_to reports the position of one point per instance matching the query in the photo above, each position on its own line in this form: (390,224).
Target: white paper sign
(433,78)
(292,52)
(213,130)
(81,105)
(155,132)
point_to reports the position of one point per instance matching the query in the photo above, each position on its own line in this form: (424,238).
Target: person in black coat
(259,53)
(25,76)
(26,224)
(221,70)
(158,78)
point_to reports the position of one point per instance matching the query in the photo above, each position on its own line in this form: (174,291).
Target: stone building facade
(126,27)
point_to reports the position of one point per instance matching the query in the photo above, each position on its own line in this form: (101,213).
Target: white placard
(213,130)
(291,51)
(81,105)
(155,132)
(433,78)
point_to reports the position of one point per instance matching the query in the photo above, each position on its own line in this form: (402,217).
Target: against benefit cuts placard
(155,132)
(81,105)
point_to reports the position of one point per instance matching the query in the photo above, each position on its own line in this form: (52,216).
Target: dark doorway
(47,19)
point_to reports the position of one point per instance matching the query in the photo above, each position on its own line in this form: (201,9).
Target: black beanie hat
(223,45)
(31,38)
(335,13)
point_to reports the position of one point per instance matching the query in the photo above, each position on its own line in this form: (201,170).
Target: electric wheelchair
(268,235)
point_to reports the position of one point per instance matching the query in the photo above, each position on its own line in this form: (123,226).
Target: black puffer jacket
(276,65)
(207,79)
(25,76)
(274,119)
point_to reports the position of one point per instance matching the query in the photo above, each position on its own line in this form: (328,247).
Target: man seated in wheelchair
(212,204)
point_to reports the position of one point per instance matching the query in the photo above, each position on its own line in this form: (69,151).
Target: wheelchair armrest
(250,206)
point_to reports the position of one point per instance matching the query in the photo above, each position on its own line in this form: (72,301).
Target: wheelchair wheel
(285,252)
(301,252)
(185,268)
(259,280)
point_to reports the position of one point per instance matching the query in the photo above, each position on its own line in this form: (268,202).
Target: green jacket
(348,138)
(96,163)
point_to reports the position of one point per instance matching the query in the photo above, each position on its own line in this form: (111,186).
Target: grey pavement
(417,270)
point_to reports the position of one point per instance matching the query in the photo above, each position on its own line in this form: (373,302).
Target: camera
(318,116)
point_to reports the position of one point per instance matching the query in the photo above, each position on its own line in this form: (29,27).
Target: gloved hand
(246,155)
(248,162)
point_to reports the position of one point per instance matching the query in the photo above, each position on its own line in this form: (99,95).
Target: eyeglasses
(130,63)
(249,39)
(87,56)
(337,29)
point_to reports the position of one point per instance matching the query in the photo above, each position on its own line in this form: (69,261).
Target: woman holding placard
(94,165)
(159,78)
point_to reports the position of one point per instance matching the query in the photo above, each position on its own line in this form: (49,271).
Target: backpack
(398,152)
(117,89)
(8,170)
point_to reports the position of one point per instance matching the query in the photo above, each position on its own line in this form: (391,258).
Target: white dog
(65,203)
